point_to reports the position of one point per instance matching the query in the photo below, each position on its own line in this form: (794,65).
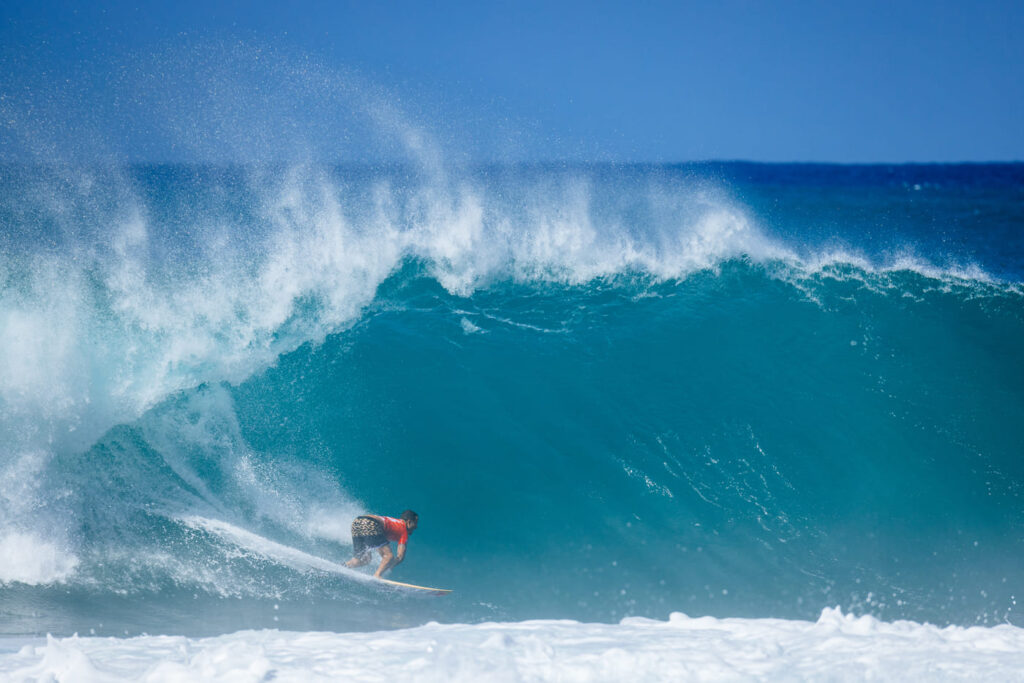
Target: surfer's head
(411,519)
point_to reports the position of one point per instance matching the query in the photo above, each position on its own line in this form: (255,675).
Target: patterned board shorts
(367,535)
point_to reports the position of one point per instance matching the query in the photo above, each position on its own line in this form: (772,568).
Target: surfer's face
(410,524)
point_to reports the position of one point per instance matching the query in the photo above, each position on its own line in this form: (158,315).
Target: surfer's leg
(362,529)
(358,561)
(385,559)
(367,535)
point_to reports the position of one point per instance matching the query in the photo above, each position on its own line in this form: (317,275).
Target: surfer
(375,532)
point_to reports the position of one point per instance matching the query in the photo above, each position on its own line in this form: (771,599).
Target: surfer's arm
(391,561)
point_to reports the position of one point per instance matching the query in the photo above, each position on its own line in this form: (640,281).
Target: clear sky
(638,81)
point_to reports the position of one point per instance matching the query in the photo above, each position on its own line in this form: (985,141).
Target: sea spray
(608,391)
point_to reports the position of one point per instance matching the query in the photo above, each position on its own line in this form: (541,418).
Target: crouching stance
(375,532)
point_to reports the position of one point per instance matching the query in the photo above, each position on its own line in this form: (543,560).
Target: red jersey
(395,529)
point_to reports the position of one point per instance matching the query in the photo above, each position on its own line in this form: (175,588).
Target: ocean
(613,393)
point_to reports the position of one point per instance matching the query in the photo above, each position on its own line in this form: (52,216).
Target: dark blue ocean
(724,389)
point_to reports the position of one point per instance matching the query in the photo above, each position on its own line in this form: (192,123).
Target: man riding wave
(375,532)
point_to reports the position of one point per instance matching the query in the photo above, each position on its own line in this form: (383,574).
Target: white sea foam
(264,547)
(24,558)
(836,647)
(468,327)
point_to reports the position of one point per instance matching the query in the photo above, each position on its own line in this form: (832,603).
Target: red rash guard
(395,530)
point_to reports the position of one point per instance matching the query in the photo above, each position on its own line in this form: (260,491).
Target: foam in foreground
(836,647)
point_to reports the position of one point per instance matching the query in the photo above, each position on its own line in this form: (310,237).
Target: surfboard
(293,557)
(427,590)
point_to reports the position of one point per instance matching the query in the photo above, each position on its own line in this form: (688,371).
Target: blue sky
(644,81)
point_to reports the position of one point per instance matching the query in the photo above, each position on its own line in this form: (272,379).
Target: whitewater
(612,396)
(694,421)
(835,647)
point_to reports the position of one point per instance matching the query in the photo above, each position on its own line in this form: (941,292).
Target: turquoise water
(725,389)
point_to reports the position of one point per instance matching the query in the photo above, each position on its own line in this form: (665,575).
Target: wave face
(740,390)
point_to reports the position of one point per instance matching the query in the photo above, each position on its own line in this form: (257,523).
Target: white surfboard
(293,557)
(425,589)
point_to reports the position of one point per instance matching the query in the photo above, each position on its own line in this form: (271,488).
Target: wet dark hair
(410,516)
